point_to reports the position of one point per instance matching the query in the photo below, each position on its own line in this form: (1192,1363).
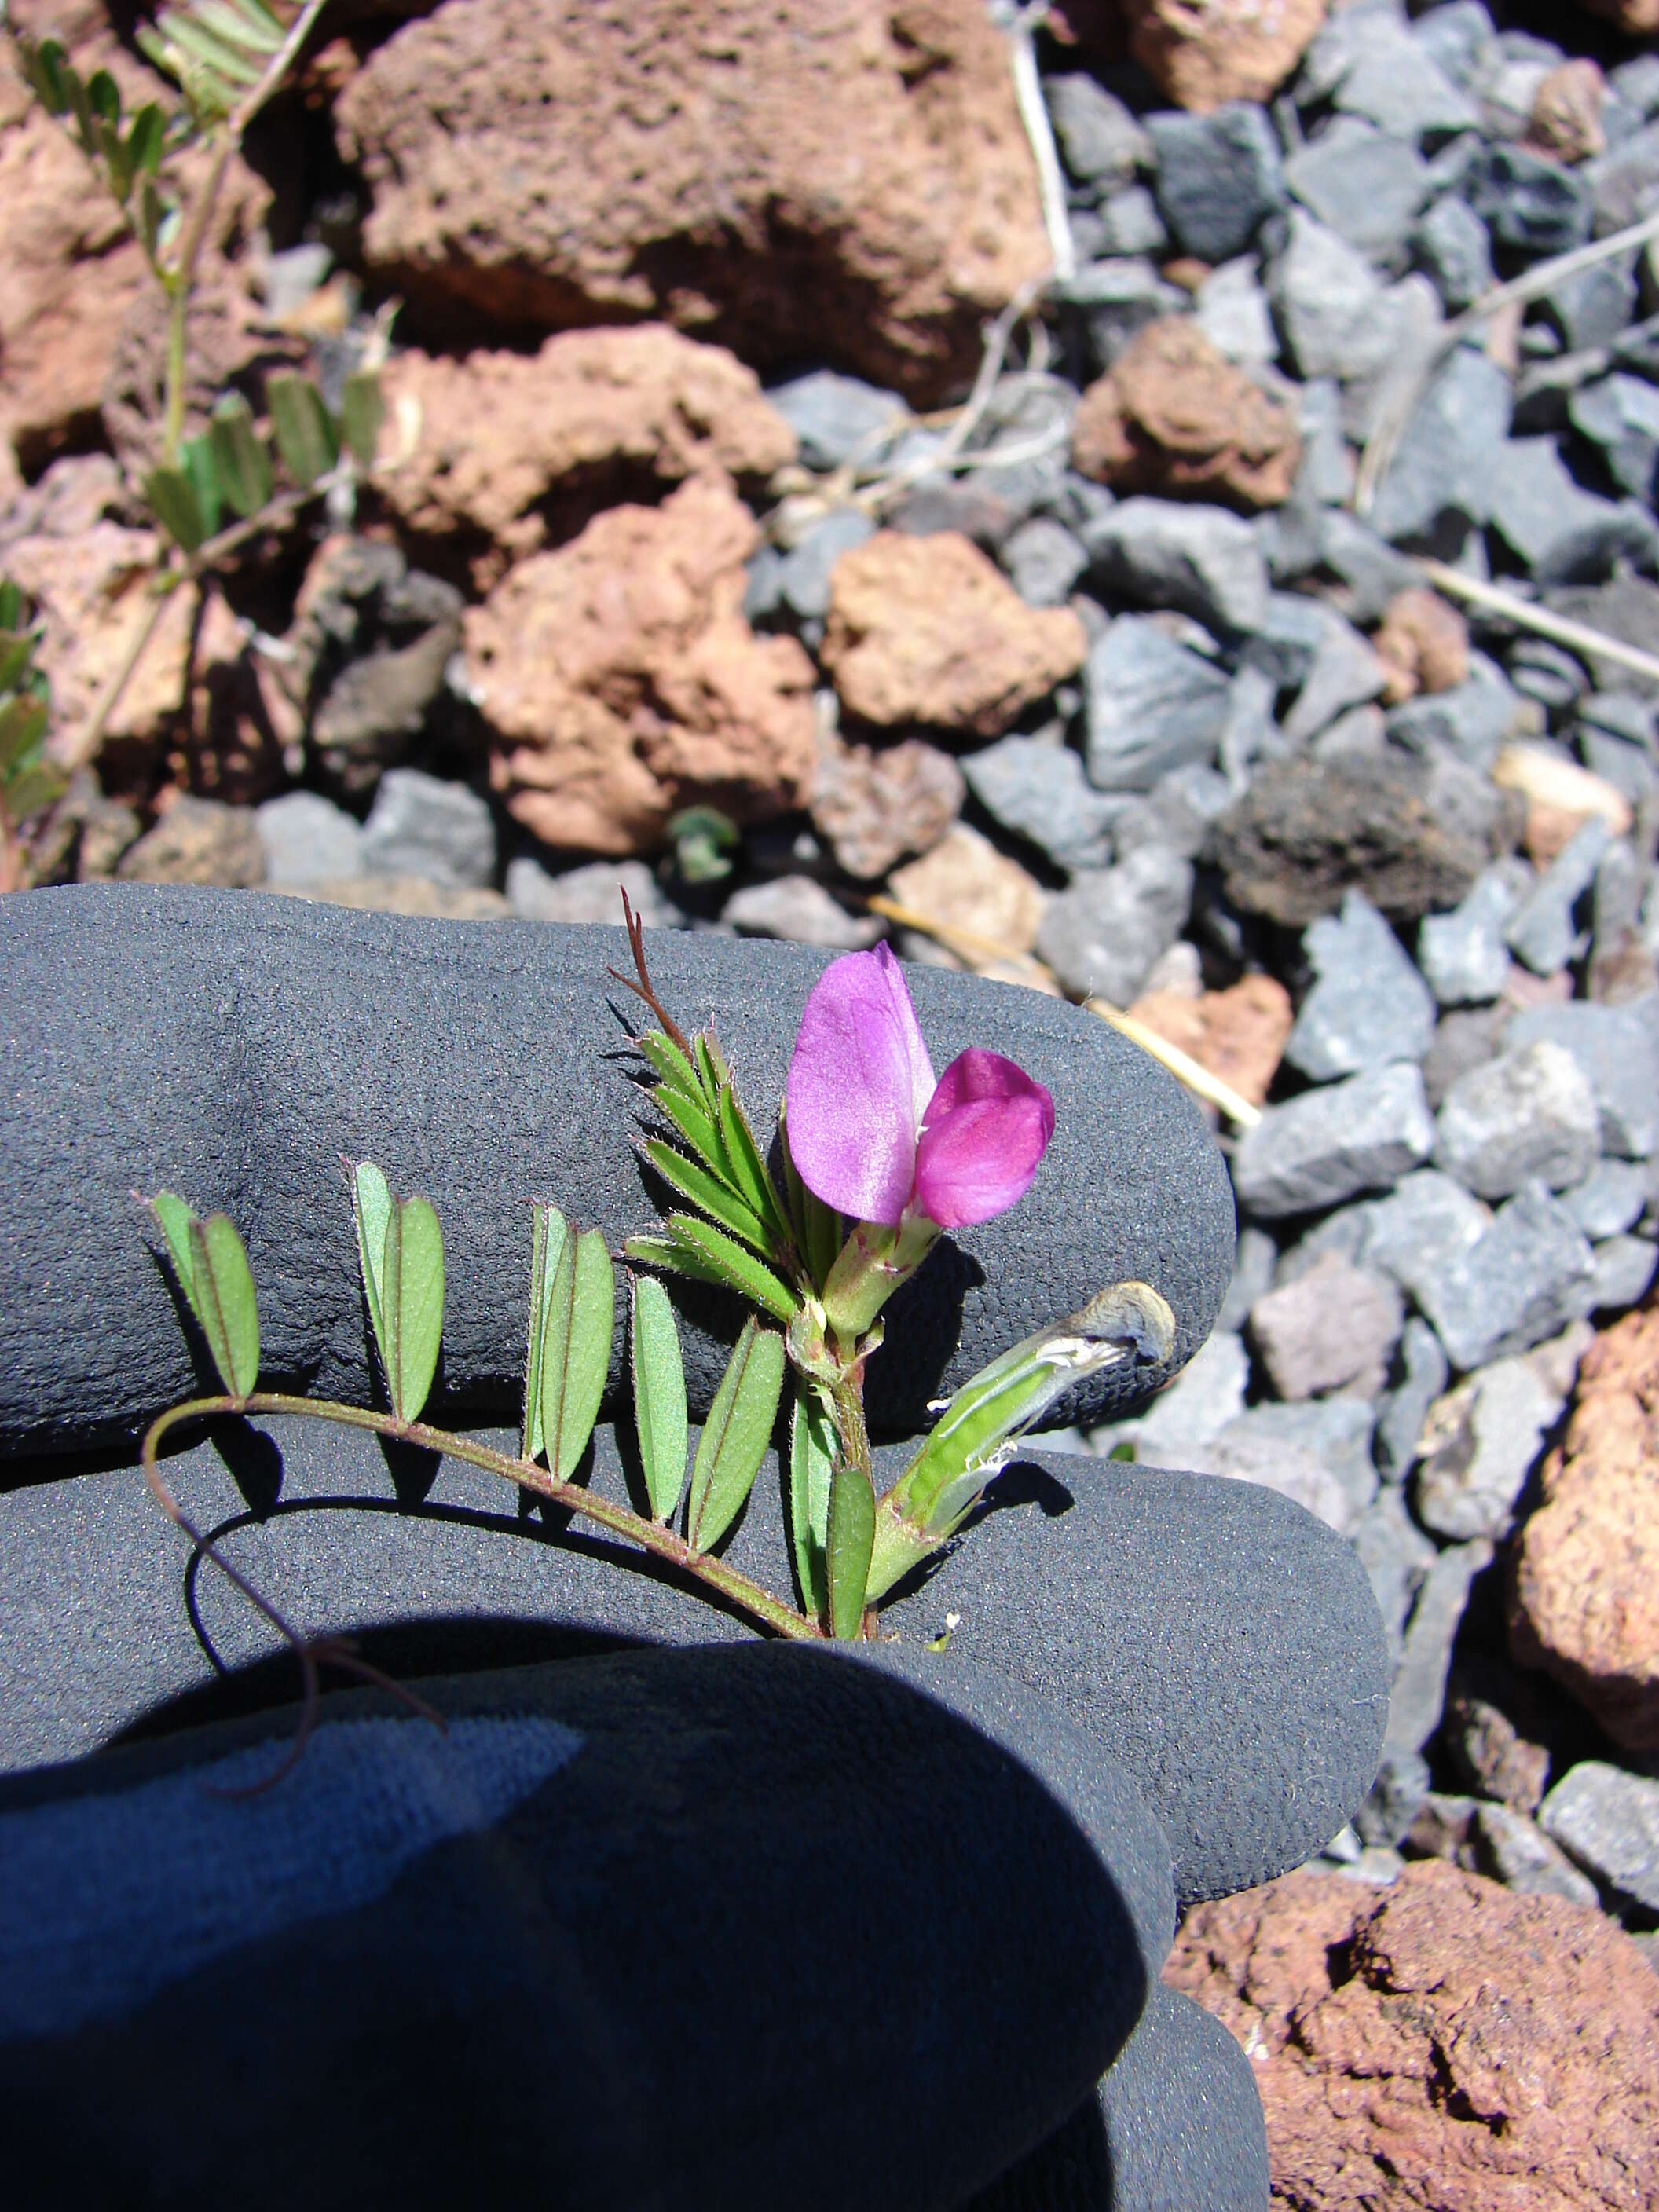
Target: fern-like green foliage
(127,150)
(229,470)
(29,782)
(215,51)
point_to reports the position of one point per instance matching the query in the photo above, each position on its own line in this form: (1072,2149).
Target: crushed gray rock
(799,910)
(1610,1200)
(1043,560)
(835,418)
(1624,1270)
(1344,672)
(1369,1004)
(1422,1372)
(1448,470)
(1038,790)
(1528,1115)
(1545,931)
(1205,560)
(422,825)
(1152,705)
(1332,1143)
(1102,935)
(1479,1443)
(1418,1697)
(1462,954)
(1524,1280)
(1396,1556)
(1364,185)
(1607,1819)
(1218,177)
(1618,1049)
(1563,533)
(307,839)
(1318,1453)
(590,894)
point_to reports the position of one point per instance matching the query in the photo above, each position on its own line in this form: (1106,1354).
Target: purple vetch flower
(873,1133)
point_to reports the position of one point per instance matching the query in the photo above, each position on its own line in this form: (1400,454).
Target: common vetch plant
(211,492)
(878,1159)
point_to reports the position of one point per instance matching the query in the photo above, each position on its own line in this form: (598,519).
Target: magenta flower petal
(859,1080)
(984,1133)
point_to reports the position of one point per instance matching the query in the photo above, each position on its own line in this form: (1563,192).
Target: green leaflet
(747,1168)
(362,412)
(715,1199)
(547,1238)
(211,1267)
(736,1434)
(811,1454)
(660,1414)
(400,1251)
(850,1539)
(669,1061)
(719,1259)
(196,460)
(171,498)
(241,462)
(687,1114)
(371,1204)
(412,1300)
(817,1227)
(576,1349)
(305,431)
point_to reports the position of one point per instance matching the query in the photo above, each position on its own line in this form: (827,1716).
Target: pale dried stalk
(1396,413)
(1576,637)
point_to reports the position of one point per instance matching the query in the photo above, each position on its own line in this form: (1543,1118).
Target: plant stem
(620,1520)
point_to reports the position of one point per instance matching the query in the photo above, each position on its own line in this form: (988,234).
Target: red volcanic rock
(1441,2046)
(1585,1590)
(622,682)
(928,630)
(1174,416)
(487,437)
(846,179)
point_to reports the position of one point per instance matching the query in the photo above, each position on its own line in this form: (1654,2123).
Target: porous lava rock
(874,804)
(1411,835)
(1238,1034)
(621,682)
(84,576)
(844,179)
(929,630)
(490,436)
(1174,416)
(1444,2044)
(1584,1595)
(1423,644)
(71,268)
(1203,53)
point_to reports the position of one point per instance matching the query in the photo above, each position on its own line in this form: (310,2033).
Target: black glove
(1170,1657)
